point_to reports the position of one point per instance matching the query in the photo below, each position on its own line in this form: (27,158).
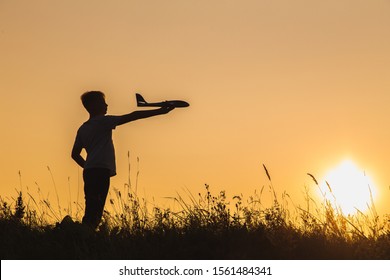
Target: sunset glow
(348,187)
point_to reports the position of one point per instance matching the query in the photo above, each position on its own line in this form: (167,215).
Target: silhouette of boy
(95,136)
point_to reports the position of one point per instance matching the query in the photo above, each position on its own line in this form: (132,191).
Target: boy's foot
(67,220)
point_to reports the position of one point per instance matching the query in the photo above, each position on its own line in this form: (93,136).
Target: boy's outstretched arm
(136,115)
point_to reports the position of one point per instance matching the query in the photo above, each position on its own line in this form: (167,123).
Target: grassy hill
(208,227)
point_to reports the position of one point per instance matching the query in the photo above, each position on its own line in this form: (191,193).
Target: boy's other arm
(136,115)
(76,155)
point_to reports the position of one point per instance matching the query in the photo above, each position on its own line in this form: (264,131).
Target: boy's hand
(167,109)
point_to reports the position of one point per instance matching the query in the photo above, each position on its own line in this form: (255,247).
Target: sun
(349,188)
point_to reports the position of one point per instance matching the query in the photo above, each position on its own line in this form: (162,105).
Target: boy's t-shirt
(95,136)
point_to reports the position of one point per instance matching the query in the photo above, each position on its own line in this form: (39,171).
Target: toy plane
(173,103)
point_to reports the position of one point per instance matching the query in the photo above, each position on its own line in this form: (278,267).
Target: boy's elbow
(78,159)
(75,155)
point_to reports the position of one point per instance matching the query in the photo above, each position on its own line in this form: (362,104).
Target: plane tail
(140,100)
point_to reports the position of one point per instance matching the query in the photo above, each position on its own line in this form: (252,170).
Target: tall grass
(207,225)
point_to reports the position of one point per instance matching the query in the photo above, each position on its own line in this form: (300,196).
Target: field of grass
(206,226)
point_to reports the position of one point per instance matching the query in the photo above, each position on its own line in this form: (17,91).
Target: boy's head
(94,102)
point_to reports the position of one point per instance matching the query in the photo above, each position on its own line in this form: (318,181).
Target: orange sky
(296,85)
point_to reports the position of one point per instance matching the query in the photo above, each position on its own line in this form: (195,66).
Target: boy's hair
(90,98)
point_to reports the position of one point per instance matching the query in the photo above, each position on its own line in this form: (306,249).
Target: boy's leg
(96,185)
